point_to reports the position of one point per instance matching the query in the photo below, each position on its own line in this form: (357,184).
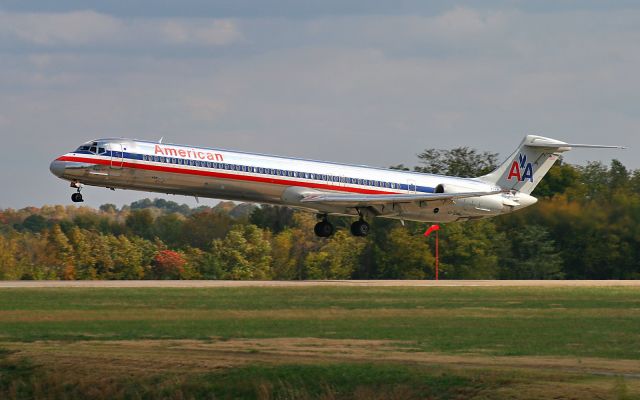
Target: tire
(323,229)
(360,228)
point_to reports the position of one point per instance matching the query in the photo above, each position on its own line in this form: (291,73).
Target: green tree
(8,263)
(533,255)
(127,259)
(35,223)
(202,264)
(140,222)
(83,255)
(470,250)
(284,263)
(103,249)
(60,253)
(168,228)
(274,218)
(558,180)
(404,256)
(461,161)
(245,253)
(337,259)
(200,228)
(595,180)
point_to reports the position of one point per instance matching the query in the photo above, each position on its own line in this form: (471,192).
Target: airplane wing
(365,200)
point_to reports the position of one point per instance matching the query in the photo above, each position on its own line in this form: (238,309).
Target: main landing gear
(323,228)
(360,228)
(77,197)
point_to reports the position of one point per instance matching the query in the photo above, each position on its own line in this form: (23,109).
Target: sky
(366,82)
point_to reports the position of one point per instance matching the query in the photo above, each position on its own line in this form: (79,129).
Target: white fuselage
(222,174)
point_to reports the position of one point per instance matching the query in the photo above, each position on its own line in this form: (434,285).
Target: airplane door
(117,155)
(411,186)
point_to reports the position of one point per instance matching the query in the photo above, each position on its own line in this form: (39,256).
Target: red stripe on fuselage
(185,171)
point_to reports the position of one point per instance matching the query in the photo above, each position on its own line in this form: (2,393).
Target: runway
(347,283)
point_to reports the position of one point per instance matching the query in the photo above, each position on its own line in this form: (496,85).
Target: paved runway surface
(371,283)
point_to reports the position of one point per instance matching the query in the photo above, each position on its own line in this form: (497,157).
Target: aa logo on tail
(521,169)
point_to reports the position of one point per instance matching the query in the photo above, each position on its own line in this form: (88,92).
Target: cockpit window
(92,147)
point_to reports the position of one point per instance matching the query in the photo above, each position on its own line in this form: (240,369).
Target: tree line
(585,226)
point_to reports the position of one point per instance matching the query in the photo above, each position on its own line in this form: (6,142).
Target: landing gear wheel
(360,228)
(323,229)
(77,198)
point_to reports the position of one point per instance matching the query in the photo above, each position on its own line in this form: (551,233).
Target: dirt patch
(303,314)
(144,356)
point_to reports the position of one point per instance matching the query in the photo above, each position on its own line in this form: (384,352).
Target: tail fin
(524,169)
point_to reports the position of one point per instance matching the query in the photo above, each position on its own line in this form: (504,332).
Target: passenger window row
(271,171)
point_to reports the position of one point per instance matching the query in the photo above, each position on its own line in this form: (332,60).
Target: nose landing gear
(77,197)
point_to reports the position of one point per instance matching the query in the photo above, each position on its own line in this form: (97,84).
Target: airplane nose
(57,168)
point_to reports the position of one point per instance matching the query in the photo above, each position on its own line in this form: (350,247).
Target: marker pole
(436,255)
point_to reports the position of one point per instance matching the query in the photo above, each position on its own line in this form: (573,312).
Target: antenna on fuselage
(160,141)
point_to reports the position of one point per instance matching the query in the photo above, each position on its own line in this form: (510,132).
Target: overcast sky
(370,82)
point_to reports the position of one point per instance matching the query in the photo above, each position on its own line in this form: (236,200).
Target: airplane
(325,188)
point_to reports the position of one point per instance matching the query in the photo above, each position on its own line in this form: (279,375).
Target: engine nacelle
(482,205)
(448,188)
(493,204)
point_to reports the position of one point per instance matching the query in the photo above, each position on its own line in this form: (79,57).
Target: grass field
(321,342)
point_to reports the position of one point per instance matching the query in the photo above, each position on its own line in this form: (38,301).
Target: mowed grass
(23,380)
(583,322)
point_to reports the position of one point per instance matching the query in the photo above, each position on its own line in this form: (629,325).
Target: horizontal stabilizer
(538,141)
(596,146)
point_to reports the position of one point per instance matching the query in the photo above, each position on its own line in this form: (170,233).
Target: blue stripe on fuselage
(117,155)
